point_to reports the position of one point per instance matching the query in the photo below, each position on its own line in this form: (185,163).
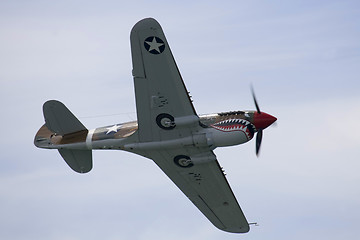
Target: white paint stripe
(89,138)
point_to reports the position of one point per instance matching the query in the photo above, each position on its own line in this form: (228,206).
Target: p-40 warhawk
(167,130)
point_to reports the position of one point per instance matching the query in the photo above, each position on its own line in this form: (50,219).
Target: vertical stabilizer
(59,119)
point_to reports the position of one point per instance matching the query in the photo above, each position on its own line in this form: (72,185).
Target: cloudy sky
(303,58)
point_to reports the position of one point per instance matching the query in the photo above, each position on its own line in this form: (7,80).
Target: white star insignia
(112,129)
(154,45)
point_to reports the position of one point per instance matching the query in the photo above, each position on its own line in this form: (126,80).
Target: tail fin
(79,160)
(60,120)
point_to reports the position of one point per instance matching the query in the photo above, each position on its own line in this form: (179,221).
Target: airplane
(168,130)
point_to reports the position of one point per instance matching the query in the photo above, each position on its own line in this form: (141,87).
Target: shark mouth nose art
(232,125)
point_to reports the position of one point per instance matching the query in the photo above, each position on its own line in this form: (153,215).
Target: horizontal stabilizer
(79,160)
(59,119)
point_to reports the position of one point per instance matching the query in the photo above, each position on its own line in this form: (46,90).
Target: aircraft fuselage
(213,130)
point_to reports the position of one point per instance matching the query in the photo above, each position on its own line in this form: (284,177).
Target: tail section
(60,120)
(61,129)
(79,160)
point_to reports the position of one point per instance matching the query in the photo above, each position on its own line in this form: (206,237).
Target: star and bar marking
(114,128)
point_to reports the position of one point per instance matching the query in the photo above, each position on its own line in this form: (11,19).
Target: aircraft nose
(263,120)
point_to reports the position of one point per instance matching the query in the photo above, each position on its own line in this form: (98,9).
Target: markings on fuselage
(231,125)
(89,138)
(114,128)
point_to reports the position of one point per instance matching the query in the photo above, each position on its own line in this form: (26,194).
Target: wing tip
(145,24)
(243,229)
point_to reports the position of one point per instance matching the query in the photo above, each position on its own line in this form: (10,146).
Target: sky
(302,57)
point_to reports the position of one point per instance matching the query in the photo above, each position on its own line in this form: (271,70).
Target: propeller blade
(256,104)
(258,141)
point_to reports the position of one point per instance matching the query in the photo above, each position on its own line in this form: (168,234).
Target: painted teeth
(230,121)
(230,125)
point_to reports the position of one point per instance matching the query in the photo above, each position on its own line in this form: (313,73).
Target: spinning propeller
(261,121)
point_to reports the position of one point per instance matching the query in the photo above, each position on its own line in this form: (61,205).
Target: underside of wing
(161,95)
(201,179)
(166,117)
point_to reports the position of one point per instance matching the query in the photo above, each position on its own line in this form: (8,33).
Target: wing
(165,112)
(200,177)
(161,95)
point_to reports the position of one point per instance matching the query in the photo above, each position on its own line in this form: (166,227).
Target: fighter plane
(168,130)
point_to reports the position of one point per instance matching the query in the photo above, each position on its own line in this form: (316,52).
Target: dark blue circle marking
(154,45)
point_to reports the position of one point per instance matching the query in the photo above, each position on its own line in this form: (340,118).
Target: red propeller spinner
(263,120)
